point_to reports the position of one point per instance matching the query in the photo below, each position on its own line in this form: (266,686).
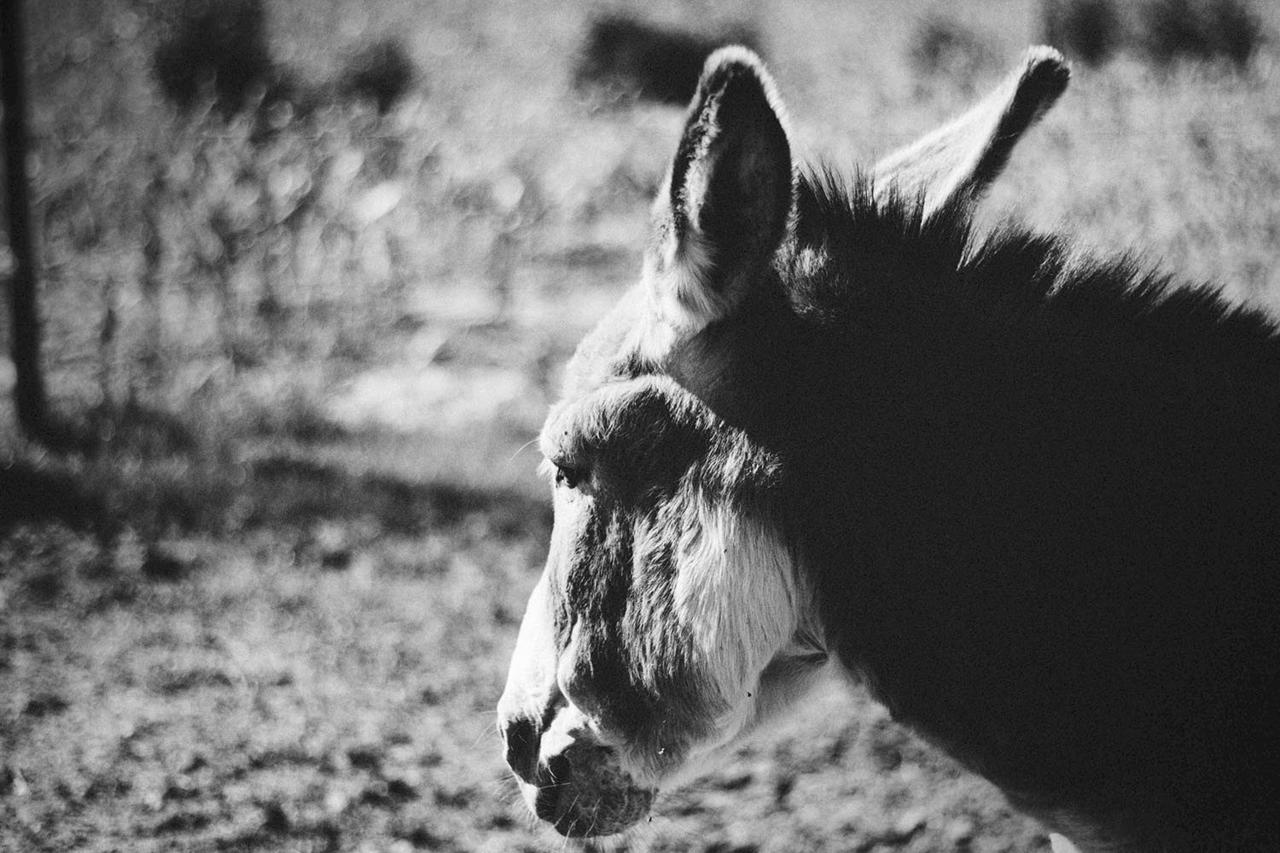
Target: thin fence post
(29,391)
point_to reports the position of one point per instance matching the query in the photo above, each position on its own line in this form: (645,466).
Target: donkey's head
(674,614)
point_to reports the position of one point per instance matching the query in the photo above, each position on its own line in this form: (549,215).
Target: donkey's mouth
(582,792)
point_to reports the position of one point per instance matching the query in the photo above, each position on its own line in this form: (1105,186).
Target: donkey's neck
(988,448)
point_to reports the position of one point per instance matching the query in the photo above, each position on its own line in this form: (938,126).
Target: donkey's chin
(582,791)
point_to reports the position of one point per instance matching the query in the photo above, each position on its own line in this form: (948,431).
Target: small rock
(68,790)
(105,787)
(782,787)
(274,818)
(167,562)
(336,560)
(180,789)
(367,757)
(454,798)
(400,790)
(11,782)
(183,822)
(45,705)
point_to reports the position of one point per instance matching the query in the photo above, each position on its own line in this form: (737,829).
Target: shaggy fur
(1039,494)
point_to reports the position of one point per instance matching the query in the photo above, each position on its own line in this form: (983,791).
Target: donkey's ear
(961,159)
(725,205)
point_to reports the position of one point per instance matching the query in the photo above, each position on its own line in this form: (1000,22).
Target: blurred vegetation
(311,270)
(944,47)
(1163,31)
(625,57)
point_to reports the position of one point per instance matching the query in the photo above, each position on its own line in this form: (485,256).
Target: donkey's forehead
(649,431)
(606,354)
(644,414)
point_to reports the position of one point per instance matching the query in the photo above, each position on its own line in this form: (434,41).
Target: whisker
(522,448)
(486,732)
(503,786)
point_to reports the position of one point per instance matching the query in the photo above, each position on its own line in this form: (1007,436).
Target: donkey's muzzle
(572,781)
(582,791)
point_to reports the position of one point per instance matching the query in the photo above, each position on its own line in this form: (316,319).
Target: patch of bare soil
(330,686)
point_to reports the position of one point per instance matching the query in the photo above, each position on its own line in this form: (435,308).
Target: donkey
(1029,497)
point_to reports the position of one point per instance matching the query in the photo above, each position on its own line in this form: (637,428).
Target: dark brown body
(1041,510)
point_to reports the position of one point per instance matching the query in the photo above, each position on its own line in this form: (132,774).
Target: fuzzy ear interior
(729,193)
(962,158)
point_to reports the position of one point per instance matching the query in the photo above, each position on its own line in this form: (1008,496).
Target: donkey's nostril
(521,736)
(559,769)
(551,782)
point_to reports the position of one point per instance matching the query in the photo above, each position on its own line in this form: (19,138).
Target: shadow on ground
(278,491)
(31,494)
(286,491)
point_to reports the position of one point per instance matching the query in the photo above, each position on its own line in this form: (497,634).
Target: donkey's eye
(568,477)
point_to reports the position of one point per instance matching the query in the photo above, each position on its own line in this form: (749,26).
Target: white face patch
(751,626)
(531,682)
(735,590)
(736,593)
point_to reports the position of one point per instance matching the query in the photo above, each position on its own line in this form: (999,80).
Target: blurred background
(308,271)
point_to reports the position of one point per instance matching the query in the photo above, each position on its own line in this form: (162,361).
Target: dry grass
(273,612)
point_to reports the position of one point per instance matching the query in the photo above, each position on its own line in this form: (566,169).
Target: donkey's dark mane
(874,249)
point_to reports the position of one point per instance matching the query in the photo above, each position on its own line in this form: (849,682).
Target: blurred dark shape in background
(628,59)
(1088,30)
(217,49)
(1201,29)
(381,72)
(942,46)
(22,283)
(32,492)
(1162,31)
